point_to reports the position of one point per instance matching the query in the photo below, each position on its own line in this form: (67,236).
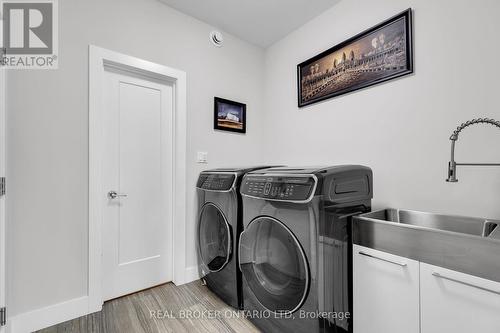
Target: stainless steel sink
(461,224)
(466,244)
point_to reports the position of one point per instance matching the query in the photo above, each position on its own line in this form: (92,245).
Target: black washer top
(341,183)
(238,170)
(313,170)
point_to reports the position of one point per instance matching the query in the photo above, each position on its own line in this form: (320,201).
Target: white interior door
(137,166)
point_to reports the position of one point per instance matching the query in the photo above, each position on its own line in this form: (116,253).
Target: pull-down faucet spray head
(452,165)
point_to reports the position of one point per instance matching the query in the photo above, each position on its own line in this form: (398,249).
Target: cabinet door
(386,292)
(457,302)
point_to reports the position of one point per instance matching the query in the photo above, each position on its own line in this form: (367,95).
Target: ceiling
(260,22)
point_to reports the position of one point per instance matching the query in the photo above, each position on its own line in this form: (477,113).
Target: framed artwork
(229,115)
(376,55)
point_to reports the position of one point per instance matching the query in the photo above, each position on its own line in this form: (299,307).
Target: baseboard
(192,274)
(61,312)
(48,316)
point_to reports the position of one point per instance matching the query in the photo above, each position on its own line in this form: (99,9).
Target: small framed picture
(229,115)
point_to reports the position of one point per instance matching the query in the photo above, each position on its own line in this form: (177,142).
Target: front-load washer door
(214,239)
(274,265)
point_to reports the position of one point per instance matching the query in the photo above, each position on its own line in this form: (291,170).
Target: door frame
(3,228)
(99,59)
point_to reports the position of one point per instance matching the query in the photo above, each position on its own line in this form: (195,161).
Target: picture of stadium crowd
(373,57)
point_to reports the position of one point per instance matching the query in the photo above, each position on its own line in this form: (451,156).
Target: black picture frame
(312,89)
(237,122)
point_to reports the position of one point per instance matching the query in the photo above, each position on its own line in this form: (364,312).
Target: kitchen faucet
(452,166)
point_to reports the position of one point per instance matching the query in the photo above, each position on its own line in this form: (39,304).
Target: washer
(295,249)
(219,227)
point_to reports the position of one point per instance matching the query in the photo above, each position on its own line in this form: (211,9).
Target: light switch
(202,157)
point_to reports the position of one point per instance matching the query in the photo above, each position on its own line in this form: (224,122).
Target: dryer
(218,230)
(295,249)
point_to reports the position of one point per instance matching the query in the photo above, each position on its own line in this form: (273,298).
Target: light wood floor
(133,313)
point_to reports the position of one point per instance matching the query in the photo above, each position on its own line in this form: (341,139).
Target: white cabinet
(386,292)
(457,302)
(394,294)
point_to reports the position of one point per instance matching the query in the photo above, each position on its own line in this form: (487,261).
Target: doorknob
(114,195)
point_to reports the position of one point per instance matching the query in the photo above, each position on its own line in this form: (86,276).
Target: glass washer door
(214,238)
(274,265)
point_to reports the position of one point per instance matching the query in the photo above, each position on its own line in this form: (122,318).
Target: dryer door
(274,265)
(214,238)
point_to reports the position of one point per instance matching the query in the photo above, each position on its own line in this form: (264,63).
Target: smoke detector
(216,38)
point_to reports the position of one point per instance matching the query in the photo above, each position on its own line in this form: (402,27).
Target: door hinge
(2,186)
(3,316)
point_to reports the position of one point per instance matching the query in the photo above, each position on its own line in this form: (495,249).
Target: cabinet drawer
(386,292)
(456,302)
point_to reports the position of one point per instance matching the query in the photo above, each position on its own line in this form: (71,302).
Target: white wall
(400,128)
(48,134)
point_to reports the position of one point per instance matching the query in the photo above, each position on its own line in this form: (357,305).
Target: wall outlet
(202,157)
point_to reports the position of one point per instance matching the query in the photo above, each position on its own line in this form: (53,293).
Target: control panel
(284,188)
(216,181)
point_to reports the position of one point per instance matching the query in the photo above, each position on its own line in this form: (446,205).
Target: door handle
(114,195)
